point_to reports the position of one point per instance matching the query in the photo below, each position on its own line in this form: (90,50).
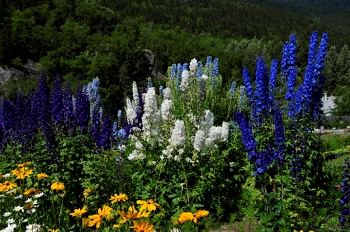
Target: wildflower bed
(168,162)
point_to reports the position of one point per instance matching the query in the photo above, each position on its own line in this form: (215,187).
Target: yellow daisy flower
(25,164)
(79,212)
(58,186)
(53,230)
(142,227)
(199,214)
(149,205)
(87,192)
(132,214)
(7,185)
(188,216)
(185,216)
(22,172)
(42,175)
(120,197)
(96,219)
(31,192)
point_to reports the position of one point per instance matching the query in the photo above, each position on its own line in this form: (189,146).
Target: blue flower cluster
(307,99)
(45,112)
(264,159)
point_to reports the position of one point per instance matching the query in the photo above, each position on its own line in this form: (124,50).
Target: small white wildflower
(29,200)
(39,195)
(181,151)
(7,175)
(18,208)
(11,191)
(10,221)
(6,214)
(9,228)
(30,211)
(122,148)
(138,145)
(2,195)
(25,220)
(161,157)
(33,228)
(19,197)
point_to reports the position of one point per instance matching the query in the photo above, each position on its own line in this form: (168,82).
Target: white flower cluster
(178,134)
(193,66)
(132,107)
(208,134)
(137,153)
(177,141)
(184,82)
(151,117)
(166,108)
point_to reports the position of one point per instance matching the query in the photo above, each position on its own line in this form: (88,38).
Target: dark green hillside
(332,12)
(85,39)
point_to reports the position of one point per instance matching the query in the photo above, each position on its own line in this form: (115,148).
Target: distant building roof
(328,104)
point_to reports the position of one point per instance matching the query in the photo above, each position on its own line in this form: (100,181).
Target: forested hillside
(331,12)
(81,40)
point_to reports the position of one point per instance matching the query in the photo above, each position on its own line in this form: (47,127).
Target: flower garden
(185,157)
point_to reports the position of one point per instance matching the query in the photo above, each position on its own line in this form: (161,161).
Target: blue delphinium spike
(233,89)
(199,71)
(173,72)
(248,85)
(273,75)
(216,67)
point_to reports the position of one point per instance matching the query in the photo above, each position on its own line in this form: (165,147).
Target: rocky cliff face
(30,69)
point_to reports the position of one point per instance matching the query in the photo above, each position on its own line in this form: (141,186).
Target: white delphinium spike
(225,130)
(135,96)
(207,121)
(178,134)
(151,116)
(151,106)
(166,93)
(199,141)
(193,66)
(130,111)
(214,135)
(184,83)
(166,109)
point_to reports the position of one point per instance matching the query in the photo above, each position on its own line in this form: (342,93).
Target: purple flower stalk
(82,110)
(344,219)
(57,109)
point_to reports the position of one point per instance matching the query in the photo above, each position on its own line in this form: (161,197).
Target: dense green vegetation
(85,39)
